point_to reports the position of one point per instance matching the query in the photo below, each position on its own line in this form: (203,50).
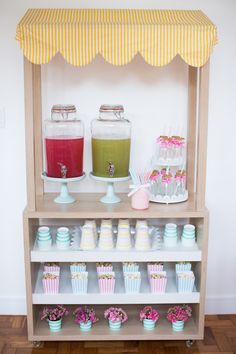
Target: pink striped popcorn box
(103,268)
(106,282)
(51,283)
(158,281)
(51,268)
(155,267)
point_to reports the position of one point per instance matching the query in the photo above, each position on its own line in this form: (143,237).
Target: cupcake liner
(106,285)
(79,286)
(132,285)
(51,286)
(158,285)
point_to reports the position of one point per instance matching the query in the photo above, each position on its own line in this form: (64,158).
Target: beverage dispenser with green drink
(111,134)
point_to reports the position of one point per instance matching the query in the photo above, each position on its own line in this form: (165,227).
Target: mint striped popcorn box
(79,282)
(77,267)
(106,282)
(130,267)
(132,282)
(51,283)
(185,281)
(158,281)
(182,266)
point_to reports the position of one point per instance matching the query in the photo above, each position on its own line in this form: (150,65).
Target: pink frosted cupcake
(106,282)
(50,283)
(103,267)
(158,281)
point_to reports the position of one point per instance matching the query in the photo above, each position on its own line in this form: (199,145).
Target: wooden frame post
(33,132)
(191,127)
(202,135)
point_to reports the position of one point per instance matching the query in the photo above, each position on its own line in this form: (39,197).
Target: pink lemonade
(64,151)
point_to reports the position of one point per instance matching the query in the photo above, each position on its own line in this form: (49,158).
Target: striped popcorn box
(132,282)
(79,281)
(182,266)
(51,268)
(104,267)
(130,267)
(78,267)
(158,281)
(185,281)
(106,282)
(155,267)
(51,283)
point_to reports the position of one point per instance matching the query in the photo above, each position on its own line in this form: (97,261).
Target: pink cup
(140,199)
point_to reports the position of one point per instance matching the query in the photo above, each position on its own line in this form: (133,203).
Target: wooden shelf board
(176,254)
(88,205)
(66,296)
(131,330)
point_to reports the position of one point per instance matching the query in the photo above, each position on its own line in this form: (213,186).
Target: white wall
(147,94)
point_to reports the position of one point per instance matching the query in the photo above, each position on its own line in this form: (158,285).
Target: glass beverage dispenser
(111,142)
(64,143)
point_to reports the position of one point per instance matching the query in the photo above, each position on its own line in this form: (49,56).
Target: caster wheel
(189,343)
(37,344)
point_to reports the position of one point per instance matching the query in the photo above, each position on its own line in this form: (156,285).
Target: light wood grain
(192,126)
(37,109)
(29,134)
(202,135)
(88,205)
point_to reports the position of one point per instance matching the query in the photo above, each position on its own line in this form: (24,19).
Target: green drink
(110,157)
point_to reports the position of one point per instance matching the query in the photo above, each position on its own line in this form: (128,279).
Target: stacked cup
(170,235)
(44,238)
(63,238)
(188,235)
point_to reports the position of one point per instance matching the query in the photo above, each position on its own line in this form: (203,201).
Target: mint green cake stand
(64,197)
(110,197)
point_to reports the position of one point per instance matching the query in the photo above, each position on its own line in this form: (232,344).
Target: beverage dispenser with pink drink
(64,143)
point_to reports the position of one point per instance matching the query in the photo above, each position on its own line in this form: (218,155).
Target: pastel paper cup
(154,267)
(77,268)
(44,245)
(179,267)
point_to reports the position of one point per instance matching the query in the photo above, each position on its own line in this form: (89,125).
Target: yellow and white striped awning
(118,35)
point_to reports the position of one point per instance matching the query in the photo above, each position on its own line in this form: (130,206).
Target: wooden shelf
(88,205)
(176,254)
(131,330)
(93,296)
